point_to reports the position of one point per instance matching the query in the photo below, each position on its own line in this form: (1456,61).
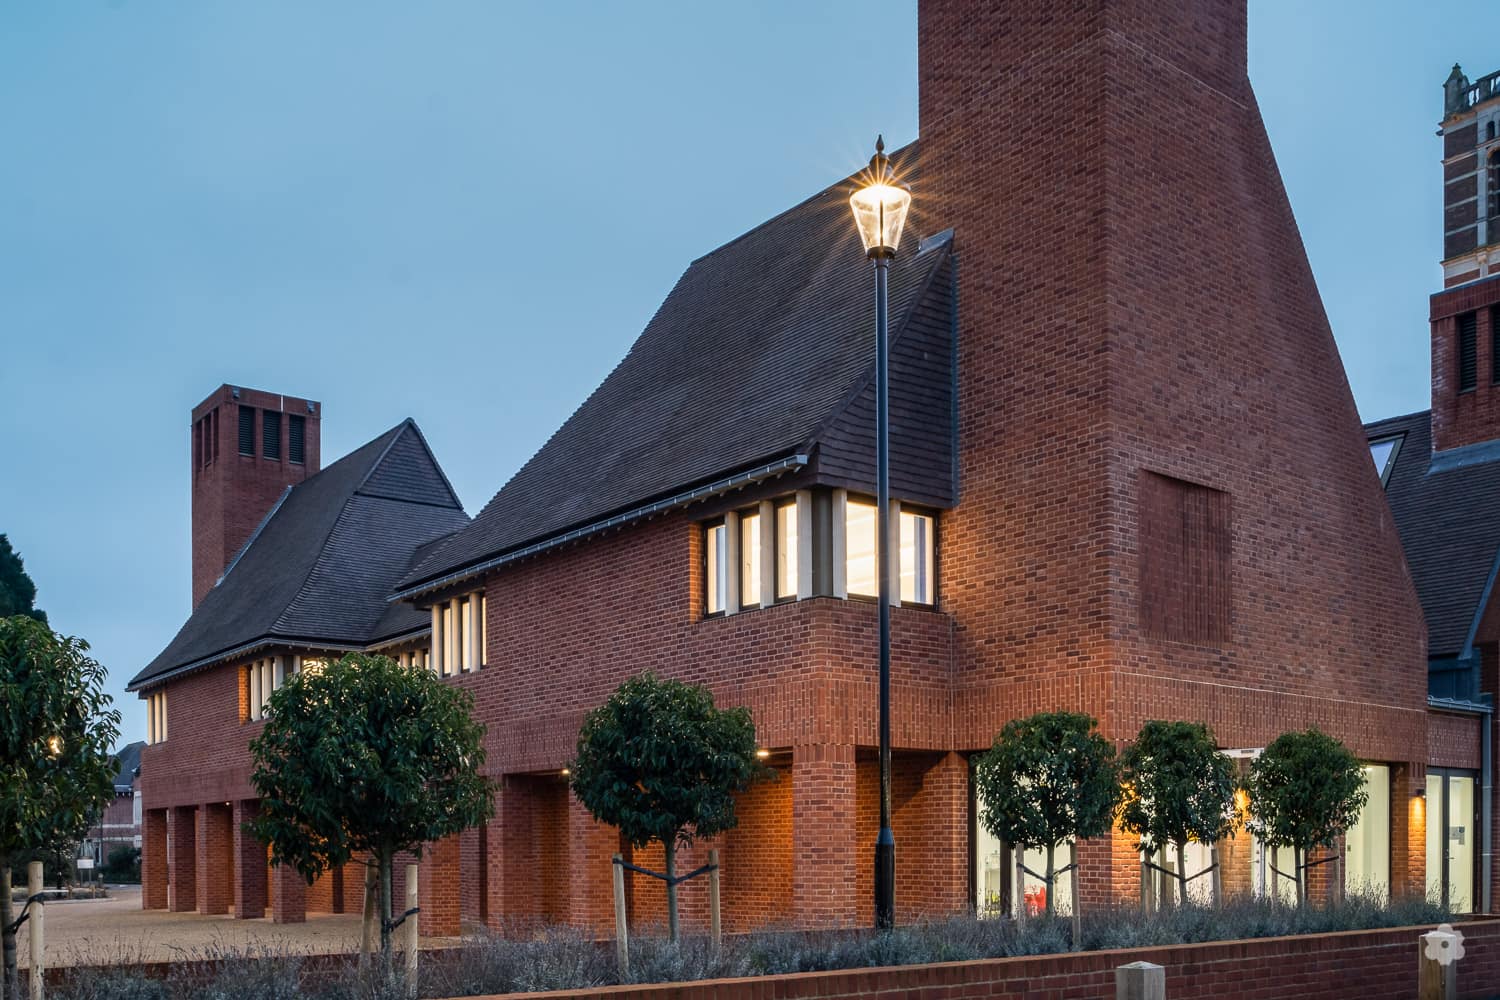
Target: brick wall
(1460,418)
(1357,965)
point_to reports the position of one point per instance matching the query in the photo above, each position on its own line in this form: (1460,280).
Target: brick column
(154,859)
(182,859)
(825,855)
(590,875)
(289,902)
(437,889)
(249,864)
(215,843)
(1409,830)
(931,825)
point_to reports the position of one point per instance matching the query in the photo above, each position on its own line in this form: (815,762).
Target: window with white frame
(458,635)
(914,554)
(156,717)
(763,554)
(264,677)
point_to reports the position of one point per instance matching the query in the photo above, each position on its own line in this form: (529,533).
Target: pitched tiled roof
(1448,514)
(319,567)
(127,759)
(750,358)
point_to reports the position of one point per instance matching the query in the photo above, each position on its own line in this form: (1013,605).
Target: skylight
(1383,453)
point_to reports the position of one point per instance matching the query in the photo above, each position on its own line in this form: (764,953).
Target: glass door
(1452,826)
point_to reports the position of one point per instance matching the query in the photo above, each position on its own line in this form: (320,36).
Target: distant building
(1441,470)
(120,825)
(1129,479)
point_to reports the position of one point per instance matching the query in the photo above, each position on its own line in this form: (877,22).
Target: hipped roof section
(318,568)
(754,356)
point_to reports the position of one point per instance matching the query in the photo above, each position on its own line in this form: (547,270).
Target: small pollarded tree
(1048,779)
(56,766)
(367,759)
(1178,788)
(661,763)
(1305,790)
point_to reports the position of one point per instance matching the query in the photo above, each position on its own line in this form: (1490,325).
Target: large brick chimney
(1162,467)
(1465,316)
(247,447)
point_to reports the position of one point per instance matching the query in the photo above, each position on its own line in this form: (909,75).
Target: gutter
(770,470)
(1486,714)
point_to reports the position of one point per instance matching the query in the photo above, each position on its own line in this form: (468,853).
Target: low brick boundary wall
(1349,965)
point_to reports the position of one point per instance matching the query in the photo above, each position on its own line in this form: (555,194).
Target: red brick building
(1130,476)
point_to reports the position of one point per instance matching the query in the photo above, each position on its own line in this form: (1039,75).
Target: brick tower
(247,447)
(1161,461)
(1466,314)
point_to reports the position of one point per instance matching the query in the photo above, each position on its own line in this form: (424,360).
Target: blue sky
(464,212)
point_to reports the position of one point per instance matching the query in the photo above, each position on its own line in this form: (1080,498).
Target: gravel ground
(116,929)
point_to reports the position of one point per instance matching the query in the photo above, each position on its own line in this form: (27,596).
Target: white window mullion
(767,554)
(892,542)
(804,544)
(435,657)
(732,563)
(473,650)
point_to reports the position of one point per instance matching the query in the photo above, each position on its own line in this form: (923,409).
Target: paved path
(116,929)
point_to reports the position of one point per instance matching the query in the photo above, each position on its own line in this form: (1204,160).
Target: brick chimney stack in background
(248,446)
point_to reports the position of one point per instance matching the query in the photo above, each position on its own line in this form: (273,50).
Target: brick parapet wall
(1356,965)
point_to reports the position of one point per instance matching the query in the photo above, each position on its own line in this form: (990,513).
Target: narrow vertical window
(466,608)
(199,456)
(916,558)
(1468,351)
(750,560)
(715,544)
(786,550)
(296,439)
(270,437)
(859,549)
(247,430)
(213,434)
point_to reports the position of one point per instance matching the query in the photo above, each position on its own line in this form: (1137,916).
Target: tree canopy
(57,730)
(660,762)
(1305,789)
(366,757)
(1049,778)
(1178,788)
(17,592)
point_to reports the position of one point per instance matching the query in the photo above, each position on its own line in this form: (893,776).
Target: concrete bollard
(34,886)
(1140,981)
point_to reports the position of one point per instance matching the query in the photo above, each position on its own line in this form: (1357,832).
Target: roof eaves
(241,650)
(768,471)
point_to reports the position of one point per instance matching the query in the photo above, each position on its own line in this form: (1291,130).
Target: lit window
(1369,839)
(786,550)
(859,549)
(156,717)
(716,546)
(916,557)
(750,560)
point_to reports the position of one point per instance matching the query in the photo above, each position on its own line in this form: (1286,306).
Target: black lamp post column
(885,841)
(879,213)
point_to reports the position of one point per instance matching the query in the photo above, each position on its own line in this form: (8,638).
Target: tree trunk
(1300,875)
(9,981)
(367,925)
(1164,893)
(383,859)
(671,846)
(1182,876)
(1051,875)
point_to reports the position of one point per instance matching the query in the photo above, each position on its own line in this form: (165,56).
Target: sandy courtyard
(100,931)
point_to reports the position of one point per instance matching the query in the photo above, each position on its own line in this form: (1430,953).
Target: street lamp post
(879,212)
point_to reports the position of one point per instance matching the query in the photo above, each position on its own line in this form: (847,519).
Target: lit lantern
(880,206)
